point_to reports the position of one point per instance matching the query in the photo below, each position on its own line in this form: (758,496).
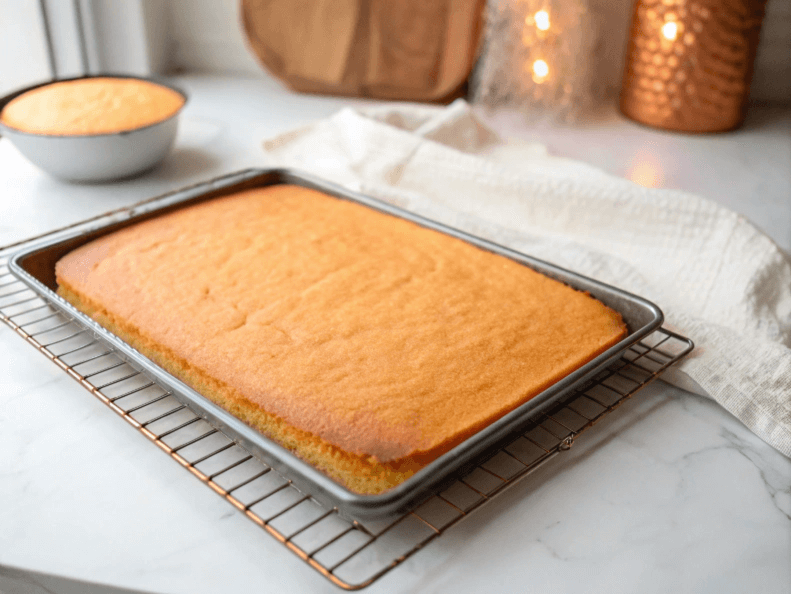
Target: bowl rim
(5,128)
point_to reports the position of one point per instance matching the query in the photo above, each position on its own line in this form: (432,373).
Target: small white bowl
(96,157)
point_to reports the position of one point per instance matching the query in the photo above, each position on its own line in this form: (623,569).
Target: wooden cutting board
(414,50)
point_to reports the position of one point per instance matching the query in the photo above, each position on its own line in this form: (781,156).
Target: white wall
(23,53)
(206,35)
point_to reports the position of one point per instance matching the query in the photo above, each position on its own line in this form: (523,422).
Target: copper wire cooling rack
(351,554)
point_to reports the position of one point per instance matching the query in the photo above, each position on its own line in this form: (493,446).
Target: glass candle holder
(689,63)
(539,56)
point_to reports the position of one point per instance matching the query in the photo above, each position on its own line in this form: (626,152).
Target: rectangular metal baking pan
(35,266)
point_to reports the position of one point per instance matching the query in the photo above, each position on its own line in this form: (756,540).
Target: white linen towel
(718,279)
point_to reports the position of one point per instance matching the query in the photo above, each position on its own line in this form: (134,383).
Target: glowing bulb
(540,70)
(670,30)
(542,20)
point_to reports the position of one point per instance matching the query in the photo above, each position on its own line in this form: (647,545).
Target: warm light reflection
(540,70)
(542,20)
(670,30)
(646,173)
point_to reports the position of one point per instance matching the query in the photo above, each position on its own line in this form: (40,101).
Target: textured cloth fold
(718,279)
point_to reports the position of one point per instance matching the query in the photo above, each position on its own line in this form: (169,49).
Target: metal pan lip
(5,128)
(426,481)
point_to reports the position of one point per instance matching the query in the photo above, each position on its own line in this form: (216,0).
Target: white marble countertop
(670,493)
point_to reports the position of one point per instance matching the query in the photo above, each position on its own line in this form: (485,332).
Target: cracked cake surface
(364,343)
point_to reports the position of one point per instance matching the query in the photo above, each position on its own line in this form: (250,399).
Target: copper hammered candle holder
(689,63)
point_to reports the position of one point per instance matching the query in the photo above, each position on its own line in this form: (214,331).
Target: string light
(540,70)
(540,67)
(541,19)
(670,30)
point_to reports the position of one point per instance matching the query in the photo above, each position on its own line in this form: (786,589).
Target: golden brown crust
(361,474)
(91,106)
(366,344)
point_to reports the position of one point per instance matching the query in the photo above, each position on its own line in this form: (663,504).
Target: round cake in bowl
(93,128)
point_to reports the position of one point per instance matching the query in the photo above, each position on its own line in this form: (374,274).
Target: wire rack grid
(351,554)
